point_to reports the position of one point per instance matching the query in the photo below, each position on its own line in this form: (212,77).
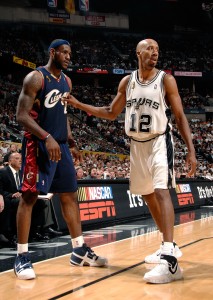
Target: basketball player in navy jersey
(147,95)
(47,162)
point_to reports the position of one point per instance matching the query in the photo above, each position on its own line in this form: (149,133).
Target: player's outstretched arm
(105,112)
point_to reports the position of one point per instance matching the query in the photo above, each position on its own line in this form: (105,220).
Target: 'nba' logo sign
(84,5)
(52,3)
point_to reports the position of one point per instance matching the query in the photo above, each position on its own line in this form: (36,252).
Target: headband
(58,43)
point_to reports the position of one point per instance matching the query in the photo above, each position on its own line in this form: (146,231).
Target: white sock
(163,241)
(168,248)
(78,241)
(21,248)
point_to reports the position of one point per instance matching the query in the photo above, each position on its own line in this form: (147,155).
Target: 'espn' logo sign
(97,210)
(184,199)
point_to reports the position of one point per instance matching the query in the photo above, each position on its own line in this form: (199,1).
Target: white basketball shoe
(166,271)
(154,258)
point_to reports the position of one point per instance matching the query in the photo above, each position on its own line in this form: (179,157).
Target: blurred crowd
(109,49)
(104,145)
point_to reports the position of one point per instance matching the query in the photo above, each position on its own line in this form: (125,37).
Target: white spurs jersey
(147,114)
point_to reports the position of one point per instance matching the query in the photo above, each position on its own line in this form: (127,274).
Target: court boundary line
(116,273)
(68,254)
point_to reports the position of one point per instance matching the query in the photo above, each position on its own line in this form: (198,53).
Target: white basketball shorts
(152,165)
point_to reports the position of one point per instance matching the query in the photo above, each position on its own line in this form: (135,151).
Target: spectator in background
(92,173)
(42,219)
(12,149)
(4,148)
(3,240)
(112,174)
(79,172)
(11,195)
(99,174)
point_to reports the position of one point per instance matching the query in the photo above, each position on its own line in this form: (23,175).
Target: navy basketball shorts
(39,174)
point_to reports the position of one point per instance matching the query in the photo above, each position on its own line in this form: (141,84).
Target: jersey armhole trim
(68,82)
(42,78)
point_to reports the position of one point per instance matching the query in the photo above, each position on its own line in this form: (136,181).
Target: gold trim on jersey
(130,88)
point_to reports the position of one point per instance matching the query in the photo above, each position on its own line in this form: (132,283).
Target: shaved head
(144,43)
(147,52)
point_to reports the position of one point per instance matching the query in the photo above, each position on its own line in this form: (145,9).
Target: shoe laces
(90,251)
(24,259)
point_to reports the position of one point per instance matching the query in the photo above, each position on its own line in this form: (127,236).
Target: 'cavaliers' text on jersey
(48,109)
(147,114)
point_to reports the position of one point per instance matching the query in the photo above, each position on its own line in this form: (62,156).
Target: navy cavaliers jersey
(48,110)
(147,114)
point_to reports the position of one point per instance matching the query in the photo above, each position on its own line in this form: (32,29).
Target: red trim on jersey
(30,174)
(68,81)
(42,83)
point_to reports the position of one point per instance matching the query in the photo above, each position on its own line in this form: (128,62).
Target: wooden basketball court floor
(125,246)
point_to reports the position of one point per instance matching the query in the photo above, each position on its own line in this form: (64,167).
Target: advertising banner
(24,62)
(61,14)
(95,20)
(96,203)
(189,74)
(102,201)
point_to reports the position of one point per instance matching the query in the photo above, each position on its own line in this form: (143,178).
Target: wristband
(72,143)
(47,137)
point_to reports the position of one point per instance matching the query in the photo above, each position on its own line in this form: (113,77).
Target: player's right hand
(71,100)
(53,149)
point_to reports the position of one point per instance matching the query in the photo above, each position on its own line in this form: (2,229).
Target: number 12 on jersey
(144,123)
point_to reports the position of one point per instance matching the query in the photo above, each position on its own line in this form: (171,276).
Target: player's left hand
(191,162)
(76,154)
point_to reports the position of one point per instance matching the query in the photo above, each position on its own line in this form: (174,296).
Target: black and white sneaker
(154,258)
(166,271)
(85,256)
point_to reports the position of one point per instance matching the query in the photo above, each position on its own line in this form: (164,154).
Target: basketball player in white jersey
(148,94)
